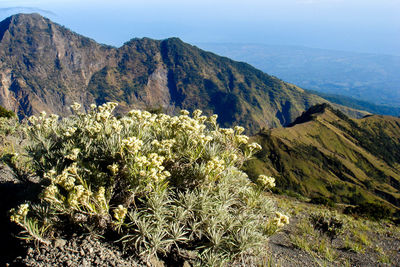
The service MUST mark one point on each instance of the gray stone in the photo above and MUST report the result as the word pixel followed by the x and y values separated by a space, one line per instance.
pixel 59 243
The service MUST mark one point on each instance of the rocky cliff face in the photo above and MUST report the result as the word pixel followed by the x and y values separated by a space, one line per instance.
pixel 44 66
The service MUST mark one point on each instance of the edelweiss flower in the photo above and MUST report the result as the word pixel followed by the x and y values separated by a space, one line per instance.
pixel 75 106
pixel 69 131
pixel 74 154
pixel 254 146
pixel 33 119
pixel 120 213
pixel 113 168
pixel 213 119
pixel 242 139
pixel 196 114
pixel 50 193
pixel 238 129
pixel 184 112
pixel 132 144
pixel 266 181
pixel 281 220
pixel 19 215
pixel 227 131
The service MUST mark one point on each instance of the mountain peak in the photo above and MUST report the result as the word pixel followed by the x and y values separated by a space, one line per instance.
pixel 28 15
pixel 27 18
pixel 23 23
pixel 19 19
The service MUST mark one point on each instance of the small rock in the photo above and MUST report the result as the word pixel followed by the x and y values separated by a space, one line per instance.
pixel 155 262
pixel 30 251
pixel 59 243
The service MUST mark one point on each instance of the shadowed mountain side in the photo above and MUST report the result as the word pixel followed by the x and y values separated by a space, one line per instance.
pixel 325 153
pixel 44 66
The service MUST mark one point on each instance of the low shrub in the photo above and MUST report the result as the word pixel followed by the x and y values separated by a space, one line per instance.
pixel 161 184
pixel 327 224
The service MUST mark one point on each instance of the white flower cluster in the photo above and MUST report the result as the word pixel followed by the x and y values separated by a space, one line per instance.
pixel 151 168
pixel 19 215
pixel 100 199
pixel 75 106
pixel 67 177
pixel 51 194
pixel 280 220
pixel 113 168
pixel 79 196
pixel 254 146
pixel 242 139
pixel 42 122
pixel 170 137
pixel 214 167
pixel 74 154
pixel 93 128
pixel 120 213
pixel 238 129
pixel 164 147
pixel 227 131
pixel 266 181
pixel 132 144
pixel 105 111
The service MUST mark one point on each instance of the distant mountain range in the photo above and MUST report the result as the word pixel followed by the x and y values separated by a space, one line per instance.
pixel 44 66
pixel 324 153
pixel 358 104
pixel 368 77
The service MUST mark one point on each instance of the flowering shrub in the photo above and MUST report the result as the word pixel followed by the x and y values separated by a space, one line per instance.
pixel 162 183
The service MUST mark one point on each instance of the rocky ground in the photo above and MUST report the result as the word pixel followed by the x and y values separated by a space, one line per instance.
pixel 82 251
pixel 358 242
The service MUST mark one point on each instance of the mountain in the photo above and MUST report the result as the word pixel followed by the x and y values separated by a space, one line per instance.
pixel 324 153
pixel 358 104
pixel 44 66
pixel 369 77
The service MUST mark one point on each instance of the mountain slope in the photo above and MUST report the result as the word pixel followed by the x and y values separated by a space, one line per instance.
pixel 44 66
pixel 325 153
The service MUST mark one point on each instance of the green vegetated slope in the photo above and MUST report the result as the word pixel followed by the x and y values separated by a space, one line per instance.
pixel 325 153
pixel 44 66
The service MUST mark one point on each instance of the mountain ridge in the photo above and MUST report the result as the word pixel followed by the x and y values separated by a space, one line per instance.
pixel 47 67
pixel 324 153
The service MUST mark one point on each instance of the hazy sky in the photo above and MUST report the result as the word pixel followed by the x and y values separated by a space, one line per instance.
pixel 354 25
